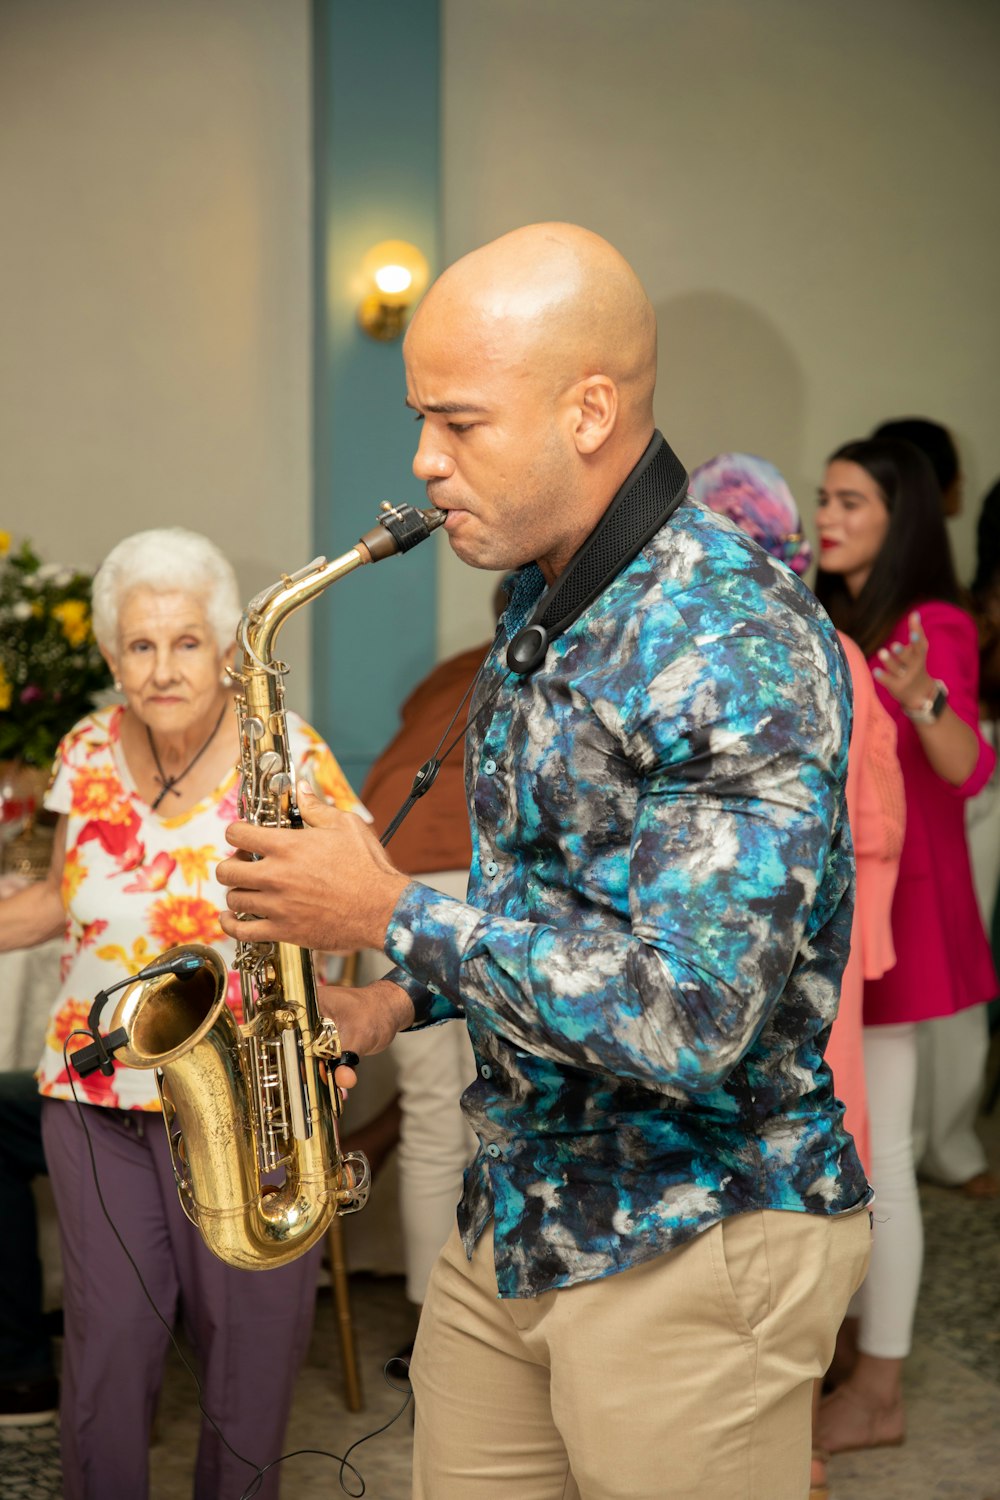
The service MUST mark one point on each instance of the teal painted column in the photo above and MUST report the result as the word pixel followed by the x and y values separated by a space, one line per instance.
pixel 376 73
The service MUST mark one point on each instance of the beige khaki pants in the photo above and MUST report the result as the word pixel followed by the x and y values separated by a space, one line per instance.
pixel 686 1378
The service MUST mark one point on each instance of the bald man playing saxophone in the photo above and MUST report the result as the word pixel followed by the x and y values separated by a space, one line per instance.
pixel 665 1219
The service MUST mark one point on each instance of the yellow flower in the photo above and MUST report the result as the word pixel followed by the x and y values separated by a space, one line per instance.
pixel 97 793
pixel 72 876
pixel 138 959
pixel 4 543
pixel 74 617
pixel 328 779
pixel 195 863
pixel 184 919
pixel 4 689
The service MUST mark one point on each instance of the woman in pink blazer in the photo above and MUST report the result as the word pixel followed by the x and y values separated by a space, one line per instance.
pixel 888 581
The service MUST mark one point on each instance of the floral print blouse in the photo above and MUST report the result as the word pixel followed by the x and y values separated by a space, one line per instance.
pixel 135 883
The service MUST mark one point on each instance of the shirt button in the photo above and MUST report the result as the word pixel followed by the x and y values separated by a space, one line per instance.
pixel 489 766
pixel 491 867
pixel 493 1151
pixel 486 1071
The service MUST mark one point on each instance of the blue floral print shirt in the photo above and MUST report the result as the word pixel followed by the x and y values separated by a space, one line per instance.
pixel 658 915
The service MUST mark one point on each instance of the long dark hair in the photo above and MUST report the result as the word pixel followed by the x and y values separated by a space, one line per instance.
pixel 914 564
pixel 933 440
pixel 988 544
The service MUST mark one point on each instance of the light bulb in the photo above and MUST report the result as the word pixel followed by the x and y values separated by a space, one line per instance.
pixel 395 274
pixel 393 279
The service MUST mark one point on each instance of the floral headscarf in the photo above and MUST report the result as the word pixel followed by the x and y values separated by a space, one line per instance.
pixel 753 494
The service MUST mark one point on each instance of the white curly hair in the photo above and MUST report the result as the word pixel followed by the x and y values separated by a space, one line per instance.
pixel 167 560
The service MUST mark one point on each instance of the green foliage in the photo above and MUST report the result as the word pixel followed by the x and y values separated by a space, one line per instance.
pixel 50 667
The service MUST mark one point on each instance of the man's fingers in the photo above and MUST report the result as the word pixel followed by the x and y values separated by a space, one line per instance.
pixel 344 1077
pixel 256 903
pixel 224 872
pixel 249 930
pixel 238 870
pixel 249 839
pixel 254 839
pixel 315 812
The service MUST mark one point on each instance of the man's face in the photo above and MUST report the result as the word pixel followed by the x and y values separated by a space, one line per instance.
pixel 495 448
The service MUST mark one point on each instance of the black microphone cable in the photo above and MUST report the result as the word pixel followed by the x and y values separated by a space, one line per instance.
pixel 260 1470
pixel 427 774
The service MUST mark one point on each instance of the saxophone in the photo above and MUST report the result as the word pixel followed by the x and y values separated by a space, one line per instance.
pixel 250 1108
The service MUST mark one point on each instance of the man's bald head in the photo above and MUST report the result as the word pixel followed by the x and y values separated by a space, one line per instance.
pixel 530 364
pixel 558 300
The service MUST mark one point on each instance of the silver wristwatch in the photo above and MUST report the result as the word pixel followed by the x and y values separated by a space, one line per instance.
pixel 932 708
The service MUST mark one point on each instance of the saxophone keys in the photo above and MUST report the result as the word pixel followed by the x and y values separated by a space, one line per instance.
pixel 355 1183
pixel 326 1041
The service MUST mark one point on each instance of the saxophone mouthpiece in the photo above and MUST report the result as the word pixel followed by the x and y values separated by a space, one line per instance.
pixel 434 518
pixel 400 527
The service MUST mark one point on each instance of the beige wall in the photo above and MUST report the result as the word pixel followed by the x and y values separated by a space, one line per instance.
pixel 155 278
pixel 807 190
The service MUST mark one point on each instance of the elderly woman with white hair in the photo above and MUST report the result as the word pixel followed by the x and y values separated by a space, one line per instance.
pixel 144 791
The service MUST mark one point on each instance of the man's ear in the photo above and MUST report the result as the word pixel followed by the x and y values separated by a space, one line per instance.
pixel 596 402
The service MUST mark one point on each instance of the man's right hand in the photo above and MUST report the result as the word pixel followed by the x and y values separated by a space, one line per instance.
pixel 367 1019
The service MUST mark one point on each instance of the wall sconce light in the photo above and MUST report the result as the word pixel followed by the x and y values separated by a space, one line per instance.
pixel 395 277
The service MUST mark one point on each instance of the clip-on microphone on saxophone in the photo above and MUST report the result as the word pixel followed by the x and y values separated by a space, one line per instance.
pixel 98 1055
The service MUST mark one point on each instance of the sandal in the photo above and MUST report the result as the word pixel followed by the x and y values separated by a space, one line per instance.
pixel 847 1423
pixel 819 1488
pixel 981 1188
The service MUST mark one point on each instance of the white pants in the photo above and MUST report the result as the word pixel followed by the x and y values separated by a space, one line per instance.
pixel 951 1067
pixel 952 1050
pixel 887 1301
pixel 434 1067
pixel 982 829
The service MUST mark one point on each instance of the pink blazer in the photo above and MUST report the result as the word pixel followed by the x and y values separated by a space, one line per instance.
pixel 943 961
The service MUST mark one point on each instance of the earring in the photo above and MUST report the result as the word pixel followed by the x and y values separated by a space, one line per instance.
pixel 226 677
pixel 118 684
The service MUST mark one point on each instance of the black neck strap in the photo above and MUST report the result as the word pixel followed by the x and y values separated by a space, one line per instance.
pixel 647 499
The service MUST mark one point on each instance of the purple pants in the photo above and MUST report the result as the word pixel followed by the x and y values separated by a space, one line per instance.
pixel 249 1329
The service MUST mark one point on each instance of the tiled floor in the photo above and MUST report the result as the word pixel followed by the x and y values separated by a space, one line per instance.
pixel 953 1390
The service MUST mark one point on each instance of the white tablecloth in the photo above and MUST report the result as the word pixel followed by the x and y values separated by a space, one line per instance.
pixel 29 979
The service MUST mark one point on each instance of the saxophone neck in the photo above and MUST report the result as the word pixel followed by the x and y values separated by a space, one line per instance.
pixel 268 611
pixel 400 528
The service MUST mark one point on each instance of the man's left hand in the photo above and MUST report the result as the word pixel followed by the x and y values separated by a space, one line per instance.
pixel 328 885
